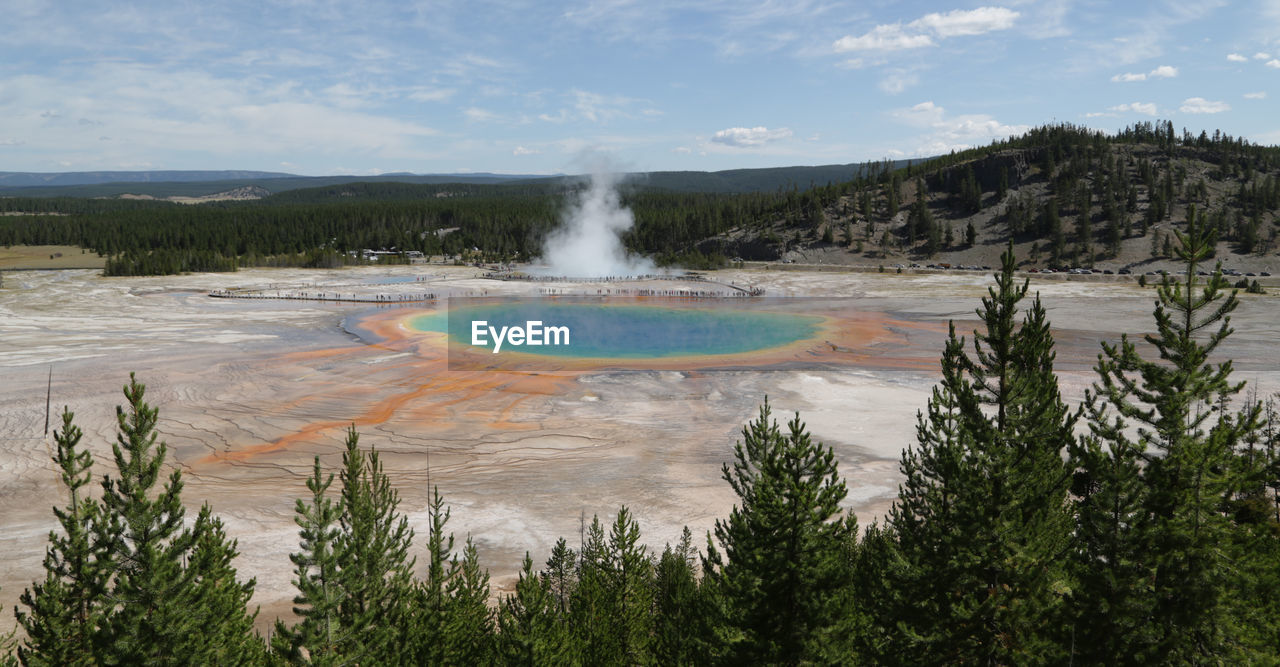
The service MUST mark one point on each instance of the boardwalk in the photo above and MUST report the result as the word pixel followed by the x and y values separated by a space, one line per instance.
pixel 348 297
pixel 733 291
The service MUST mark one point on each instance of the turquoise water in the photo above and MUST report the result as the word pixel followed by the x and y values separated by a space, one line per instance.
pixel 602 331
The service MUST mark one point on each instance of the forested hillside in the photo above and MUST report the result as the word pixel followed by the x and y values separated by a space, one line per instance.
pixel 1064 195
pixel 317 228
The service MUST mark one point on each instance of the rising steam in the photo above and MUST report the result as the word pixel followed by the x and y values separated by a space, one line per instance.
pixel 588 243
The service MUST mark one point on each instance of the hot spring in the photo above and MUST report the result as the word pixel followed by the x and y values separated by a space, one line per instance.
pixel 622 331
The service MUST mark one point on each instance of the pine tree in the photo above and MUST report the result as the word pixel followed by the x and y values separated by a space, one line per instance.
pixel 468 621
pixel 126 583
pixel 160 592
pixel 531 628
pixel 8 649
pixel 145 540
pixel 875 600
pixel 592 621
pixel 1187 437
pixel 219 602
pixel 64 610
pixel 780 575
pixel 319 635
pixel 375 569
pixel 1255 509
pixel 631 577
pixel 430 597
pixel 981 521
pixel 1112 594
pixel 561 575
pixel 679 618
pixel 354 574
pixel 611 609
pixel 920 600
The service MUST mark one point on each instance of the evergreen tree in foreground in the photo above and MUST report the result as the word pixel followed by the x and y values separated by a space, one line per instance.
pixel 430 599
pixel 680 617
pixel 1160 550
pixel 126 583
pixel 147 545
pixel 66 607
pixel 530 628
pixel 612 606
pixel 982 523
pixel 776 585
pixel 354 573
pixel 468 620
pixel 172 595
pixel 319 631
pixel 375 569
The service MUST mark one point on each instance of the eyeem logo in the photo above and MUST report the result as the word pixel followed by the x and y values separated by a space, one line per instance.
pixel 533 333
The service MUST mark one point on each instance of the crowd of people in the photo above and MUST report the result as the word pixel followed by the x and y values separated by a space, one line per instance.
pixel 324 296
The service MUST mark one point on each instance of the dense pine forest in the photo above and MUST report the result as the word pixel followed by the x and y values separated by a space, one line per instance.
pixel 318 229
pixel 1141 527
pixel 1065 195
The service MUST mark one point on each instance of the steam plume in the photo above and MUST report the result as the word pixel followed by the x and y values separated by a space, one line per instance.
pixel 588 244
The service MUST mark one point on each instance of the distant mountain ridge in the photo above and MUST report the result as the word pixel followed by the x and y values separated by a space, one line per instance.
pixel 204 183
pixel 21 179
pixel 165 184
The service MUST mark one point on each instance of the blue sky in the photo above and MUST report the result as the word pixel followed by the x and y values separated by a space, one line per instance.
pixel 515 86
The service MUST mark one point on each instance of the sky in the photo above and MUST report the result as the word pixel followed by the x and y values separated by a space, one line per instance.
pixel 323 87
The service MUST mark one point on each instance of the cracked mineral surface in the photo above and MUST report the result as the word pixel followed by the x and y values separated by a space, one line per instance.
pixel 250 390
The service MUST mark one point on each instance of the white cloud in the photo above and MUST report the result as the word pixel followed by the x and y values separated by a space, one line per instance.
pixel 478 115
pixel 1201 105
pixel 1266 138
pixel 1099 114
pixel 431 94
pixel 1047 19
pixel 750 137
pixel 948 133
pixel 1236 58
pixel 924 113
pixel 599 108
pixel 897 81
pixel 1161 72
pixel 294 123
pixel 1121 39
pixel 1148 108
pixel 971 22
pixel 851 63
pixel 596 107
pixel 883 38
pixel 1274 63
pixel 471 66
pixel 920 33
pixel 682 150
pixel 148 112
pixel 521 150
pixel 1261 95
pixel 1261 55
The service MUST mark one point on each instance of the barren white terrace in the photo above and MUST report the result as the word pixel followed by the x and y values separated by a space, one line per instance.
pixel 250 390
